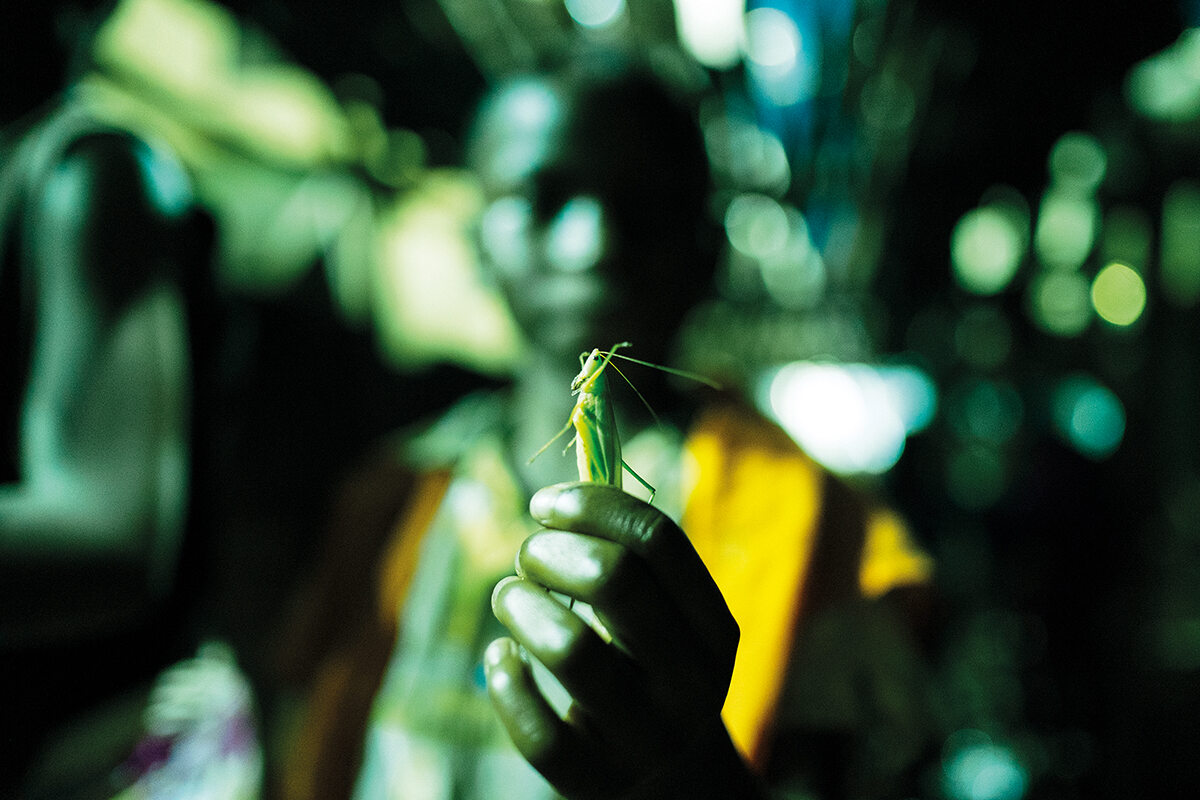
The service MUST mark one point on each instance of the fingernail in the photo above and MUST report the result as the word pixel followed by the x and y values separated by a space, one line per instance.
pixel 541 505
pixel 500 587
pixel 498 651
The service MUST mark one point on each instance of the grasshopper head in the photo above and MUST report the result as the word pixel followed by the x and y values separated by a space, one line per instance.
pixel 590 367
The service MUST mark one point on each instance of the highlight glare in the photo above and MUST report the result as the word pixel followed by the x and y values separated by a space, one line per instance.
pixel 711 30
pixel 853 418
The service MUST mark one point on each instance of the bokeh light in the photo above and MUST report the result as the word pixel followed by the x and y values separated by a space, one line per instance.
pixel 795 276
pixel 756 225
pixel 1066 229
pixel 1119 294
pixel 1060 303
pixel 853 418
pixel 772 39
pixel 530 111
pixel 781 62
pixel 502 233
pixel 433 306
pixel 978 769
pixel 913 394
pixel 747 156
pixel 828 410
pixel 1088 416
pixel 987 410
pixel 1180 245
pixel 986 249
pixel 711 30
pixel 1165 86
pixel 595 13
pixel 1078 162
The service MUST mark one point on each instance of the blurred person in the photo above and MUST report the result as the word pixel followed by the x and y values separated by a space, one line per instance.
pixel 104 259
pixel 765 653
pixel 98 234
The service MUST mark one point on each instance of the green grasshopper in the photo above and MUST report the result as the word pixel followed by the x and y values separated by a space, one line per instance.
pixel 597 442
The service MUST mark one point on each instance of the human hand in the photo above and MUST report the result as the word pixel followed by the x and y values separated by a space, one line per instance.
pixel 644 719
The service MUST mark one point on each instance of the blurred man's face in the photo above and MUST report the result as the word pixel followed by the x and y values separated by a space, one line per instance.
pixel 565 231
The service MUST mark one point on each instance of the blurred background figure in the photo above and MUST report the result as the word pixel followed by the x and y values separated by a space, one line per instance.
pixel 189 223
pixel 104 255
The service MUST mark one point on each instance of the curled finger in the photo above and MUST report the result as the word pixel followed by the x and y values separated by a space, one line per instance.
pixel 609 513
pixel 553 747
pixel 602 682
pixel 630 603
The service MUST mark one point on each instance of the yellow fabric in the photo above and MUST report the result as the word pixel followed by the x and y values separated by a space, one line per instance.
pixel 751 516
pixel 890 558
pixel 754 516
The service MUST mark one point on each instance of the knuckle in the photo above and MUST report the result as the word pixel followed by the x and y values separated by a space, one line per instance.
pixel 540 743
pixel 652 529
pixel 579 655
pixel 619 581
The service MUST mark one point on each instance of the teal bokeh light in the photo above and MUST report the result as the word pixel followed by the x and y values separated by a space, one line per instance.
pixel 1089 416
pixel 980 769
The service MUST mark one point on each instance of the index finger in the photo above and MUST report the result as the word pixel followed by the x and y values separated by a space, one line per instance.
pixel 609 513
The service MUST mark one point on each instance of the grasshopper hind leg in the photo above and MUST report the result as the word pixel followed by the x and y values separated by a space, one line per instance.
pixel 641 480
